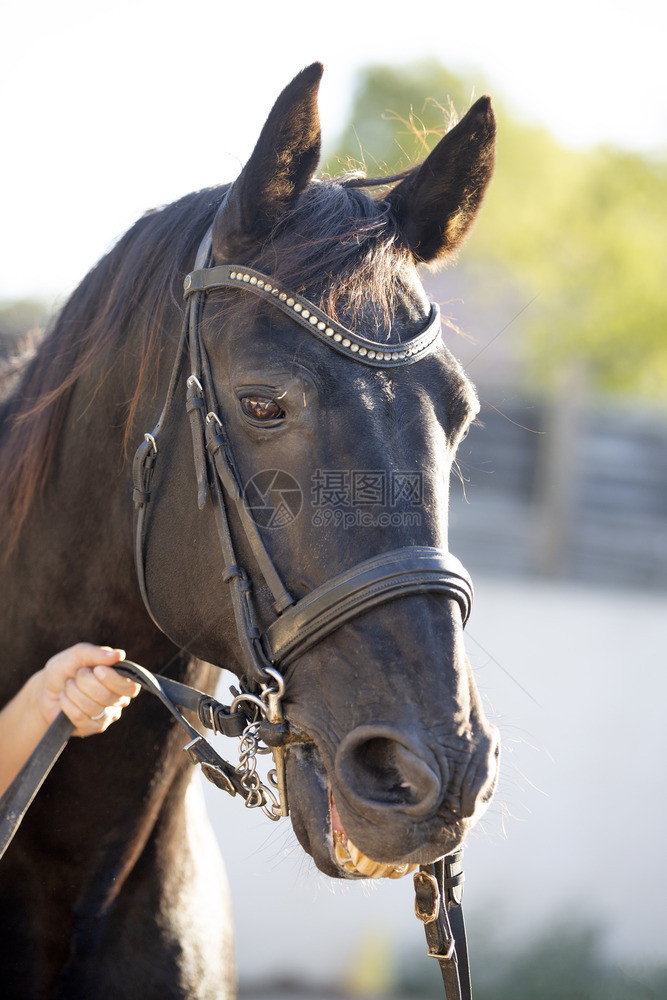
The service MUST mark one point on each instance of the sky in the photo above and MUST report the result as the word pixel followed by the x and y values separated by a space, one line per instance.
pixel 108 112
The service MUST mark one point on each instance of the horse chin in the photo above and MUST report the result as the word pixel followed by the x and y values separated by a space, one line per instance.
pixel 319 829
pixel 308 792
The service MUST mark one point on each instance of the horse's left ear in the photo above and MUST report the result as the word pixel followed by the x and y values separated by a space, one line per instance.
pixel 281 165
pixel 436 205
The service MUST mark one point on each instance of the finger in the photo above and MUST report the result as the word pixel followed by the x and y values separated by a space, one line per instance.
pixel 84 654
pixel 85 726
pixel 77 696
pixel 116 683
pixel 108 692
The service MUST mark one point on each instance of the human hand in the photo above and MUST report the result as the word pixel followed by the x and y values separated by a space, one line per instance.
pixel 81 682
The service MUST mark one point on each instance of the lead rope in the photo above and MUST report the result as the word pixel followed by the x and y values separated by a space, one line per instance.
pixel 249 725
pixel 438 898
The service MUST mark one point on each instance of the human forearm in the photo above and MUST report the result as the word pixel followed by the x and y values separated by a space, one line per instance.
pixel 79 681
pixel 22 726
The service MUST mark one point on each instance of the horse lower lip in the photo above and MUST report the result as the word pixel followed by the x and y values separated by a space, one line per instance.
pixel 353 861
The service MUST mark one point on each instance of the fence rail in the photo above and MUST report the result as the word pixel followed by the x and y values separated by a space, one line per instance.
pixel 583 499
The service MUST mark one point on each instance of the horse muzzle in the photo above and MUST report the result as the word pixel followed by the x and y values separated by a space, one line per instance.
pixel 389 800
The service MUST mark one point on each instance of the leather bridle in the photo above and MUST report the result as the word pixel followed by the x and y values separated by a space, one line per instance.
pixel 298 624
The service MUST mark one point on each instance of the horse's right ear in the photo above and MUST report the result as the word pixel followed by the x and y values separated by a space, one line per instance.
pixel 281 165
pixel 435 206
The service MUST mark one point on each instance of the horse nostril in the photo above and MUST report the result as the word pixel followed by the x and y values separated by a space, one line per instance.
pixel 379 768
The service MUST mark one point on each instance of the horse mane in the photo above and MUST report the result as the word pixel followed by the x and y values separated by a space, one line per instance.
pixel 131 288
pixel 336 237
pixel 338 246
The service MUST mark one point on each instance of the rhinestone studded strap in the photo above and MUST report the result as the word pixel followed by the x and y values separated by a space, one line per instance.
pixel 321 326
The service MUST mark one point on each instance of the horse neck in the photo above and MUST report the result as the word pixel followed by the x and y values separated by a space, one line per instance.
pixel 71 576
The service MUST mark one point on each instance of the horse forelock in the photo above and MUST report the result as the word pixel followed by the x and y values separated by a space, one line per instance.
pixel 340 247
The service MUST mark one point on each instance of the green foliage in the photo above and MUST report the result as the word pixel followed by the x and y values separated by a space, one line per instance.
pixel 580 232
pixel 388 131
pixel 16 320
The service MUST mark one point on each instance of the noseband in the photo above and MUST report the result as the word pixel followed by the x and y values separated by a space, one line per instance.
pixel 298 624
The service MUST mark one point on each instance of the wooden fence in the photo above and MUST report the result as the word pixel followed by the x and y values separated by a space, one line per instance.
pixel 564 491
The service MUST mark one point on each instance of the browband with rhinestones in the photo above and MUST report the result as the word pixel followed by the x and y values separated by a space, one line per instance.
pixel 351 344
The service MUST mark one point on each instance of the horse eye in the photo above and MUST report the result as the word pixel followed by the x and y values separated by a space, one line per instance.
pixel 261 408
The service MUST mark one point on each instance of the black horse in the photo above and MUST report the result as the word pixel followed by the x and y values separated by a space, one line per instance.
pixel 113 886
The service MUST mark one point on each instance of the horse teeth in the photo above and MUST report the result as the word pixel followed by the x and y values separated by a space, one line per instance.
pixel 355 862
pixel 398 871
pixel 367 867
pixel 341 852
pixel 401 870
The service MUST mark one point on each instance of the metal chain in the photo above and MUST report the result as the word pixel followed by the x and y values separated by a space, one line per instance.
pixel 260 795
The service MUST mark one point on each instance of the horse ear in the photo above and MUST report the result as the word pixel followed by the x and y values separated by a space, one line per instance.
pixel 436 205
pixel 281 165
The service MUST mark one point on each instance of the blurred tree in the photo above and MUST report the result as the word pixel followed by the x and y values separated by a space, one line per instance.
pixel 387 132
pixel 16 320
pixel 582 232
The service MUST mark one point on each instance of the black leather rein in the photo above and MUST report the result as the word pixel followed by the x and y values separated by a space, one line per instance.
pixel 174 696
pixel 438 886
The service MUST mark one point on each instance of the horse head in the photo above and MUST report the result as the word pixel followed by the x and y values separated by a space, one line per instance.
pixel 340 454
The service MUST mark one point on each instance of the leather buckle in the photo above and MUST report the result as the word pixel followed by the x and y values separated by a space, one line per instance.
pixel 427 897
pixel 440 956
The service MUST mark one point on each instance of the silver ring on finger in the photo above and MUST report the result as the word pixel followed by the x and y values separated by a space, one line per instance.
pixel 96 718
